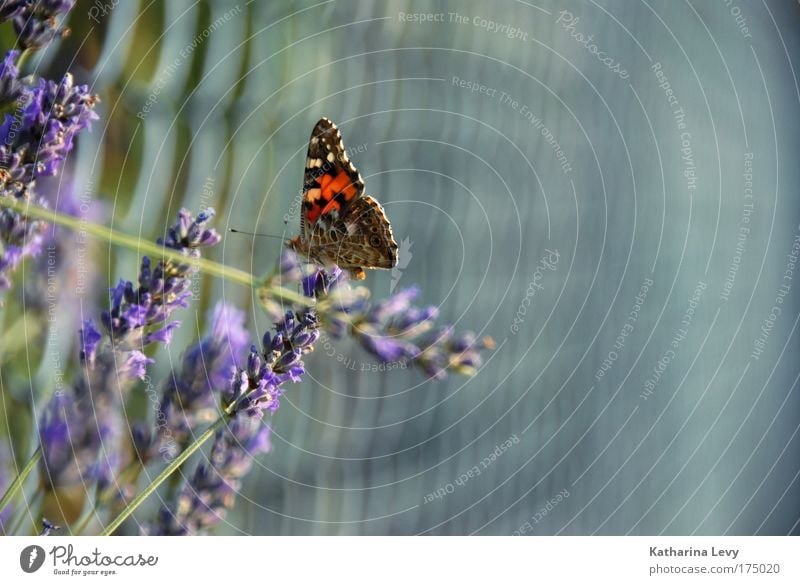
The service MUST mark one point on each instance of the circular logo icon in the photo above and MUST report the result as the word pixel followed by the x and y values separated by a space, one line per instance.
pixel 31 558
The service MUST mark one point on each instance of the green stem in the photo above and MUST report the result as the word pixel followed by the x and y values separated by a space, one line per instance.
pixel 20 479
pixel 26 513
pixel 144 246
pixel 82 522
pixel 23 58
pixel 170 469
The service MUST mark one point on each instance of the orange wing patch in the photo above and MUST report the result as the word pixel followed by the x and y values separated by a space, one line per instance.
pixel 333 187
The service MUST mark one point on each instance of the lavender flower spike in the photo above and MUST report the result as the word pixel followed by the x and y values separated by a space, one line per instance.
pixel 211 492
pixel 11 8
pixel 34 141
pixel 139 315
pixel 254 390
pixel 10 85
pixel 393 329
pixel 37 23
pixel 69 444
pixel 189 396
pixel 82 432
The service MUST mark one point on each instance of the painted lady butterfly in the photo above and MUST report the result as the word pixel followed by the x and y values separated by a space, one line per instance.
pixel 339 224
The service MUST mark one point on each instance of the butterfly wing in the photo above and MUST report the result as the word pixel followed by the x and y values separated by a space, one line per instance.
pixel 339 224
pixel 330 184
pixel 362 238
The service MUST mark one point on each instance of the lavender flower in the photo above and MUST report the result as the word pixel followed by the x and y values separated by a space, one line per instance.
pixel 189 396
pixel 11 8
pixel 253 391
pixel 34 142
pixel 258 386
pixel 69 443
pixel 20 237
pixel 37 23
pixel 138 315
pixel 48 527
pixel 10 85
pixel 82 430
pixel 210 493
pixel 393 329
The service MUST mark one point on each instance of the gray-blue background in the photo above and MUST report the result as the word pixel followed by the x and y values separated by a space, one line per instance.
pixel 477 192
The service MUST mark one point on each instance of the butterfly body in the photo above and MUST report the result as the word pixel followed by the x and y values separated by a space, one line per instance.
pixel 339 224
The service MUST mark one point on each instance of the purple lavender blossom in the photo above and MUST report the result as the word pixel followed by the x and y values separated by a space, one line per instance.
pixel 10 85
pixel 82 430
pixel 393 329
pixel 34 142
pixel 48 527
pixel 139 315
pixel 258 386
pixel 69 443
pixel 37 138
pixel 190 395
pixel 37 23
pixel 211 492
pixel 20 237
pixel 253 391
pixel 11 8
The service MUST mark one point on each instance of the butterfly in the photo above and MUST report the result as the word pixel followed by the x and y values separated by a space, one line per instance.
pixel 339 224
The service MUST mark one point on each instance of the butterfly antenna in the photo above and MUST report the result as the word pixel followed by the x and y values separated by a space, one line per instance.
pixel 235 231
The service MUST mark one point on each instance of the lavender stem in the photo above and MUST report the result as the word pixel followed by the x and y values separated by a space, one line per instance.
pixel 168 471
pixel 20 479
